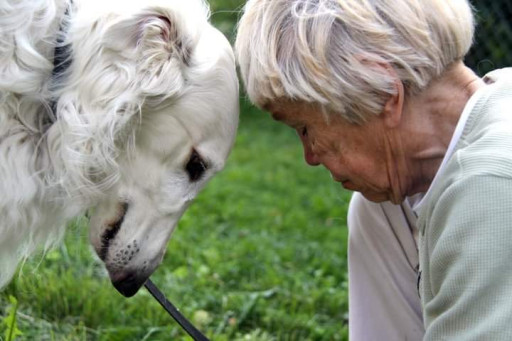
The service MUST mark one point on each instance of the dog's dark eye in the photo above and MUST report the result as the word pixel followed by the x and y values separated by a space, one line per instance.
pixel 195 166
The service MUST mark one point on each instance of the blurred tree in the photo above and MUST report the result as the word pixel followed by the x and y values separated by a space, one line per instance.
pixel 492 48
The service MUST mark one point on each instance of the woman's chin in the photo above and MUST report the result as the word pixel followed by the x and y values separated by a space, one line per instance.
pixel 377 197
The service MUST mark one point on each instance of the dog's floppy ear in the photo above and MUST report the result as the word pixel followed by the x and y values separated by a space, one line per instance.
pixel 121 63
pixel 160 44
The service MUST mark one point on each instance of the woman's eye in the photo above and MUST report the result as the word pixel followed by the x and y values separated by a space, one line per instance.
pixel 304 132
pixel 195 166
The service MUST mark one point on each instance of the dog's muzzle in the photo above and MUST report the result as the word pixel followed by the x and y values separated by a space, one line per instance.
pixel 128 283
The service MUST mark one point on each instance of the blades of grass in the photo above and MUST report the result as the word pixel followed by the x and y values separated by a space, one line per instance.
pixel 10 321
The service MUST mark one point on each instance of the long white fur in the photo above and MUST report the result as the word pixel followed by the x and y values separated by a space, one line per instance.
pixel 143 73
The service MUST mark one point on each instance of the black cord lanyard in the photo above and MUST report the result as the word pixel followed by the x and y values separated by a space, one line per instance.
pixel 176 315
pixel 61 60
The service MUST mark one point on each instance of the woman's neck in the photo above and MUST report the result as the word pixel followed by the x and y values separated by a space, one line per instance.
pixel 430 119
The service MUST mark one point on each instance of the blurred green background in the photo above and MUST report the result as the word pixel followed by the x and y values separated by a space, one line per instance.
pixel 492 47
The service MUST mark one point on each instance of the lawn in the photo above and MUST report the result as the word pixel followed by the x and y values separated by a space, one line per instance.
pixel 260 255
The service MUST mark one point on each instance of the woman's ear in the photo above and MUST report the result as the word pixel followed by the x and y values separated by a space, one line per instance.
pixel 393 108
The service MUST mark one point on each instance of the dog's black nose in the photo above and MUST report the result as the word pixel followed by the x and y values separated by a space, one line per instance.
pixel 128 284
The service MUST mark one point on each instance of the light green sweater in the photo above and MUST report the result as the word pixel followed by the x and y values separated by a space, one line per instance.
pixel 465 225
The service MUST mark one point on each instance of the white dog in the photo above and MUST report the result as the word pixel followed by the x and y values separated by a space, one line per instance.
pixel 138 112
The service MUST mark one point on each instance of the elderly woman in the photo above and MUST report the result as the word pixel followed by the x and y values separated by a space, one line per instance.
pixel 379 95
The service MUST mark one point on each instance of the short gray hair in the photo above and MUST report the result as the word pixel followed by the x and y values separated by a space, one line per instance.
pixel 331 52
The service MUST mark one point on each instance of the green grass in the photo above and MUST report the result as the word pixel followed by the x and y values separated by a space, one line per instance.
pixel 260 255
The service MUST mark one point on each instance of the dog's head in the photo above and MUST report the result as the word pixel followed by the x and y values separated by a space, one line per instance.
pixel 167 80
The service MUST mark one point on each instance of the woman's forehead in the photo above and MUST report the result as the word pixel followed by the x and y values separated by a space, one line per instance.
pixel 286 105
pixel 284 109
pixel 293 112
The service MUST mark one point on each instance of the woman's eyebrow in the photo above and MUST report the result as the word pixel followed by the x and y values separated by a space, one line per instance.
pixel 277 116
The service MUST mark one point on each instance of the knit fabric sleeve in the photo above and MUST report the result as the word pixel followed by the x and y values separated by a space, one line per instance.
pixel 470 261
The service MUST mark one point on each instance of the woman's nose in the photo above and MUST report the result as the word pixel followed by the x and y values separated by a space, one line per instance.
pixel 309 156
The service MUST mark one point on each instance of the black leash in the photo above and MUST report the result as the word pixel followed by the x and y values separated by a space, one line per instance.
pixel 61 61
pixel 174 312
